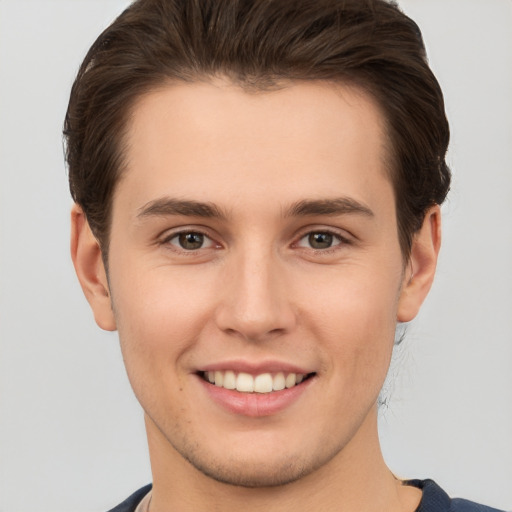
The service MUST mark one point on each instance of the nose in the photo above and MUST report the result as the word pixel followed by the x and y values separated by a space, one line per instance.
pixel 255 301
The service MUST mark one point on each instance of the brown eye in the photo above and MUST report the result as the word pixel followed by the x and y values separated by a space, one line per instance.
pixel 320 240
pixel 190 241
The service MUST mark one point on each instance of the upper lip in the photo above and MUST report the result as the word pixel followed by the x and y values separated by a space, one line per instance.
pixel 255 367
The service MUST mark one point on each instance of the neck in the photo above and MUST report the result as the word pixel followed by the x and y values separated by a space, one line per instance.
pixel 356 479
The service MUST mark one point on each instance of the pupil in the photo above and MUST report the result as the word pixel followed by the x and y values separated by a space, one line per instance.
pixel 191 241
pixel 320 240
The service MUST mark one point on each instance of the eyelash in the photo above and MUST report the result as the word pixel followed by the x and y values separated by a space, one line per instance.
pixel 341 241
pixel 167 240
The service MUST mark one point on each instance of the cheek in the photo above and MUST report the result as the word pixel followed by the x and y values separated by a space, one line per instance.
pixel 158 318
pixel 359 301
pixel 158 323
pixel 355 316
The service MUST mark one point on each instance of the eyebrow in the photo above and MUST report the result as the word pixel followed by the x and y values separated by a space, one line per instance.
pixel 307 207
pixel 170 206
pixel 336 206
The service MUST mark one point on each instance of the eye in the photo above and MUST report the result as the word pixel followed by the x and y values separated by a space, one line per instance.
pixel 191 241
pixel 319 240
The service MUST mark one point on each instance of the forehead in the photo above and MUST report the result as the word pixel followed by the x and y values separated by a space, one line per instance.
pixel 189 139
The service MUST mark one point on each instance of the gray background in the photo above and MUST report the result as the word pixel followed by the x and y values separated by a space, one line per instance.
pixel 71 434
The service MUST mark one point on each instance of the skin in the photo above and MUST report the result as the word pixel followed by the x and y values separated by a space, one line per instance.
pixel 256 290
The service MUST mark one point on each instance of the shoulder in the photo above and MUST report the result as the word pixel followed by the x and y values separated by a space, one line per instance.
pixel 460 505
pixel 130 503
pixel 436 500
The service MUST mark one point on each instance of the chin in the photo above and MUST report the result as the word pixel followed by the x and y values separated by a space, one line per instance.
pixel 263 466
pixel 251 474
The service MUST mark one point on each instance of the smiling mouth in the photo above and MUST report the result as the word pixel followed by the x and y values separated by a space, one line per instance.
pixel 261 383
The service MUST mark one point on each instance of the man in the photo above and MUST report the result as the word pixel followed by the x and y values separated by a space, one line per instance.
pixel 257 190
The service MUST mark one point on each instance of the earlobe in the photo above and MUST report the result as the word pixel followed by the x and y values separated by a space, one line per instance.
pixel 90 270
pixel 421 269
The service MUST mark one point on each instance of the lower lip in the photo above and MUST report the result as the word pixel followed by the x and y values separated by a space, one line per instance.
pixel 255 404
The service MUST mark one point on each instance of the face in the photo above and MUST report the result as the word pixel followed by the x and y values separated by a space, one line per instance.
pixel 255 275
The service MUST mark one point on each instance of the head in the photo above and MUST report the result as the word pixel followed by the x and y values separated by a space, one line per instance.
pixel 259 46
pixel 259 181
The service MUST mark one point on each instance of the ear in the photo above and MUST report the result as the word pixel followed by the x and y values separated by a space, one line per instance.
pixel 421 269
pixel 86 256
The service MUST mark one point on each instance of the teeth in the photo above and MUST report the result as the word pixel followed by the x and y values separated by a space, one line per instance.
pixel 247 383
pixel 263 383
pixel 291 380
pixel 279 382
pixel 229 380
pixel 219 379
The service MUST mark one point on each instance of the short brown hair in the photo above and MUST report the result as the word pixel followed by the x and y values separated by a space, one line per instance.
pixel 257 44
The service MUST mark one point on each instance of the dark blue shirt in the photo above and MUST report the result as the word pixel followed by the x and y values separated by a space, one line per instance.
pixel 434 499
